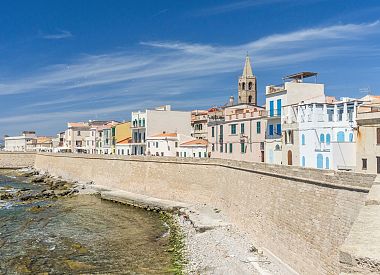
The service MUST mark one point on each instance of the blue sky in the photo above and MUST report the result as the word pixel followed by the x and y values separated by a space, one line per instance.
pixel 77 60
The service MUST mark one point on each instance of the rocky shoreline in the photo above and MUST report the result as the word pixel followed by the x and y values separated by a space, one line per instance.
pixel 204 241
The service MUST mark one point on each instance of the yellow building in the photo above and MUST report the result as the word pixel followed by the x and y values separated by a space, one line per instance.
pixel 120 132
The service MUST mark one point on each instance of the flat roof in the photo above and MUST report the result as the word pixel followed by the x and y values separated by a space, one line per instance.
pixel 300 75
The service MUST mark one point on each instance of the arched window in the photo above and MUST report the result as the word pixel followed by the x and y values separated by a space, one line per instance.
pixel 303 139
pixel 250 86
pixel 277 147
pixel 322 138
pixel 328 139
pixel 303 161
pixel 200 126
pixel 250 99
pixel 320 161
pixel 351 137
pixel 340 137
pixel 327 163
pixel 243 86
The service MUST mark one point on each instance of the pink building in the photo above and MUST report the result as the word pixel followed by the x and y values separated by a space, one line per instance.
pixel 240 135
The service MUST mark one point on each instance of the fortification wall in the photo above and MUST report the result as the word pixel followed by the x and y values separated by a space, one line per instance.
pixel 301 215
pixel 16 159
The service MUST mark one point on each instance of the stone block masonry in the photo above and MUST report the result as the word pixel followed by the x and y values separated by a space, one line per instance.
pixel 16 159
pixel 302 216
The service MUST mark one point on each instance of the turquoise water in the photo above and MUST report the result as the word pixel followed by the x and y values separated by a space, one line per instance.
pixel 79 235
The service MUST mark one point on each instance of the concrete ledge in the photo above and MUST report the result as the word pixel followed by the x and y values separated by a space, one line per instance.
pixel 141 200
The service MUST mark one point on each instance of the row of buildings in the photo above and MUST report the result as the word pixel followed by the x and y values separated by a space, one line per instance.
pixel 298 125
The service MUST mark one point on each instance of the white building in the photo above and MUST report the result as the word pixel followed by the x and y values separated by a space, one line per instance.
pixel 321 135
pixel 20 143
pixel 124 147
pixel 196 148
pixel 160 120
pixel 292 91
pixel 165 144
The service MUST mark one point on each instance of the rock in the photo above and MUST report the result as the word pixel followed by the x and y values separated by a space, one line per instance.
pixel 6 196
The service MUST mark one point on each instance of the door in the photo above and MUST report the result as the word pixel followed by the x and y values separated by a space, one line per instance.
pixel 290 158
pixel 378 164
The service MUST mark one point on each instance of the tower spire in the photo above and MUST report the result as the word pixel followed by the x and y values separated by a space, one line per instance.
pixel 247 71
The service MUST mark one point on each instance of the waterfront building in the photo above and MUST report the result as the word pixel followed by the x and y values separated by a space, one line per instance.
pixel 165 144
pixel 75 137
pixel 196 148
pixel 122 132
pixel 368 136
pixel 159 120
pixel 124 147
pixel 320 135
pixel 44 144
pixel 239 135
pixel 199 120
pixel 293 91
pixel 20 143
pixel 109 138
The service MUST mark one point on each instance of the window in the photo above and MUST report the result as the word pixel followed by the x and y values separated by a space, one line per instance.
pixel 177 154
pixel 320 161
pixel 184 154
pixel 327 163
pixel 162 154
pixel 212 131
pixel 213 147
pixel 322 138
pixel 271 108
pixel 340 137
pixel 225 148
pixel 122 151
pixel 205 154
pixel 242 128
pixel 221 130
pixel 279 107
pixel 303 161
pixel 243 86
pixel 303 139
pixel 221 147
pixel 364 164
pixel 351 137
pixel 242 147
pixel 271 130
pixel 156 144
pixel 249 85
pixel 148 144
pixel 78 133
pixel 258 127
pixel 233 129
pixel 176 144
pixel 328 139
pixel 278 129
pixel 378 135
pixel 230 147
pixel 200 154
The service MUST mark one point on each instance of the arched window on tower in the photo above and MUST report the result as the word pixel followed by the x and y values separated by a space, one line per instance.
pixel 243 86
pixel 250 86
pixel 250 99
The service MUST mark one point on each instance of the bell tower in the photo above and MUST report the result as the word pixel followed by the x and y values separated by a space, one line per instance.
pixel 247 90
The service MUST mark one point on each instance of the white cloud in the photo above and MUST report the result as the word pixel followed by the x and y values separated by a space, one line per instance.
pixel 63 34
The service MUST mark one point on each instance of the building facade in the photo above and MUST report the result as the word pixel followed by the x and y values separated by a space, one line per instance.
pixel 153 122
pixel 199 124
pixel 21 143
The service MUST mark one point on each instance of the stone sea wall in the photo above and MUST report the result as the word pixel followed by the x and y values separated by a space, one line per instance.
pixel 16 160
pixel 302 216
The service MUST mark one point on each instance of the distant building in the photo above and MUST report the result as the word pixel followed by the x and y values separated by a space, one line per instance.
pixel 199 124
pixel 247 86
pixel 165 144
pixel 20 143
pixel 196 148
pixel 240 135
pixel 75 137
pixel 124 147
pixel 44 144
pixel 160 120
pixel 368 136
pixel 122 132
pixel 293 91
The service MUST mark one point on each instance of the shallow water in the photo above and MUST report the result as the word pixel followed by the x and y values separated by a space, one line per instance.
pixel 79 235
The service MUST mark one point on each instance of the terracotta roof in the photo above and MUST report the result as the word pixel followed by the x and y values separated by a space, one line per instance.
pixel 194 142
pixel 77 124
pixel 166 135
pixel 44 140
pixel 125 141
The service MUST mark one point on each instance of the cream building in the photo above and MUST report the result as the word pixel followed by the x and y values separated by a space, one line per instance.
pixel 199 124
pixel 368 138
pixel 196 148
pixel 159 120
pixel 76 135
pixel 124 147
pixel 165 144
pixel 293 91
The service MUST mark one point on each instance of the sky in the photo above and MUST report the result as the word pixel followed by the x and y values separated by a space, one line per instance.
pixel 77 60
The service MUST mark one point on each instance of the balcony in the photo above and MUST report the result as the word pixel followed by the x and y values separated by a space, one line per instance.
pixel 274 113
